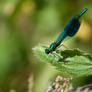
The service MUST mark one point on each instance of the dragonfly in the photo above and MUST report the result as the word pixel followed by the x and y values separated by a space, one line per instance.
pixel 69 31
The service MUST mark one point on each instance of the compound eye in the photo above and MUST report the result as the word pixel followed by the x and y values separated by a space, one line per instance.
pixel 47 51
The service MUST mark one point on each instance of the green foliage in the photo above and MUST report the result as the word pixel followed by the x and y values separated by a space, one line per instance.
pixel 13 57
pixel 74 62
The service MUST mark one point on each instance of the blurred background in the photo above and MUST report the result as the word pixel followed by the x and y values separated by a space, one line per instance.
pixel 25 24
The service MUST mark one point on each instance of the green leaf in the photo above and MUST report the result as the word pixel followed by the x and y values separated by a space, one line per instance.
pixel 74 62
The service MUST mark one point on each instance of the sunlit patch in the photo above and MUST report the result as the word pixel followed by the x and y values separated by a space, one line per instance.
pixel 84 32
pixel 8 9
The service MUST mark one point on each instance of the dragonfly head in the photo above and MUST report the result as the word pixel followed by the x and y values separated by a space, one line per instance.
pixel 51 48
pixel 47 51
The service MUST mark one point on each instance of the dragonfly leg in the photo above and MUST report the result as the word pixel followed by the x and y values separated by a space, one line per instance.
pixel 58 48
pixel 57 57
pixel 63 46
